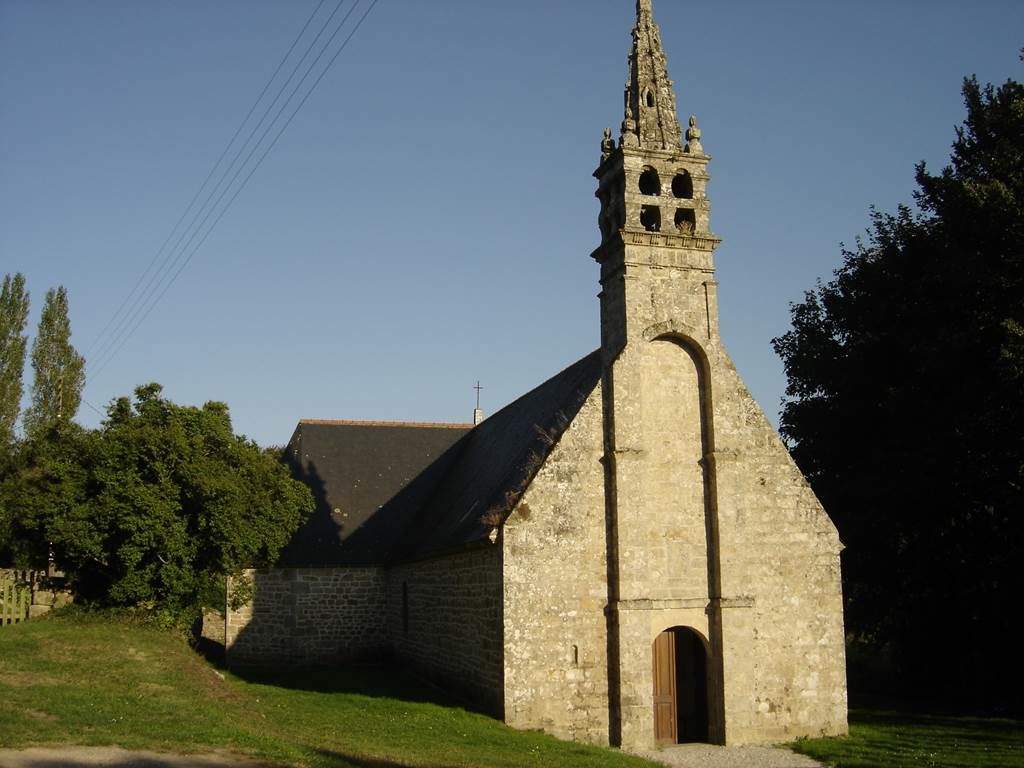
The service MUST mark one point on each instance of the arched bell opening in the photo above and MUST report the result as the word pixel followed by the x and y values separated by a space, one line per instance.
pixel 649 182
pixel 650 218
pixel 685 221
pixel 682 185
pixel 680 658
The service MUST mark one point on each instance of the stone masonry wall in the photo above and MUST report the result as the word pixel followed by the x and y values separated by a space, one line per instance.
pixel 772 615
pixel 784 663
pixel 444 619
pixel 701 479
pixel 556 663
pixel 309 616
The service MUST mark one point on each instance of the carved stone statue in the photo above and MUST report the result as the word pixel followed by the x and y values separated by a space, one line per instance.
pixel 607 144
pixel 693 144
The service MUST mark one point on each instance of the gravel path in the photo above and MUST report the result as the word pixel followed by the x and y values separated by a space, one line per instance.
pixel 113 757
pixel 682 756
pixel 710 756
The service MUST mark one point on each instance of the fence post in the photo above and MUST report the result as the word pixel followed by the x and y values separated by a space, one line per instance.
pixel 6 599
pixel 15 600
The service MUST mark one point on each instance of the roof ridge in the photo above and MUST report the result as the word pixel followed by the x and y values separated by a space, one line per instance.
pixel 411 543
pixel 357 423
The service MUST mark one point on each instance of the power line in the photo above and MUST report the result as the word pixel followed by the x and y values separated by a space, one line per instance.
pixel 160 284
pixel 143 311
pixel 139 307
pixel 166 264
pixel 206 181
pixel 93 407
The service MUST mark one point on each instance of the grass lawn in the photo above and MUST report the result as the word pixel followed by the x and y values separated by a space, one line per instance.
pixel 896 739
pixel 92 681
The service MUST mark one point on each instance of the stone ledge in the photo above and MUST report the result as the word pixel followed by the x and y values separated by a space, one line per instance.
pixel 647 604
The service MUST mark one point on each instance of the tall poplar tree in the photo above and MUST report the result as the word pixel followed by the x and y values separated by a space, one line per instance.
pixel 59 370
pixel 13 317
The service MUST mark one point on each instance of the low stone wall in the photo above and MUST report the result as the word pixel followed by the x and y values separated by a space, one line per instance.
pixel 46 591
pixel 444 622
pixel 308 616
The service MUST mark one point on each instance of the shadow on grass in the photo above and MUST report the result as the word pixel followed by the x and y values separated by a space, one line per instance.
pixel 885 738
pixel 369 678
pixel 90 758
pixel 209 649
pixel 373 680
pixel 893 718
pixel 341 760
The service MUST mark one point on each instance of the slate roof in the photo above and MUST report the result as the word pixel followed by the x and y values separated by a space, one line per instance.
pixel 353 468
pixel 413 490
pixel 496 462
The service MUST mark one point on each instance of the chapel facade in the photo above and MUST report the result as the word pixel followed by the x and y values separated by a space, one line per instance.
pixel 625 555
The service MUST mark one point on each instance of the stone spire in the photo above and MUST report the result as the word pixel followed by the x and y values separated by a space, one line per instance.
pixel 650 109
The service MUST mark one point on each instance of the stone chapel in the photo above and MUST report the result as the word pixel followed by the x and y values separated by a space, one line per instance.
pixel 624 555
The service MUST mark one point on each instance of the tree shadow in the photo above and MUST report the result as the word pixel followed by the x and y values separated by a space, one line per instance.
pixel 373 680
pixel 90 757
pixel 342 760
pixel 981 727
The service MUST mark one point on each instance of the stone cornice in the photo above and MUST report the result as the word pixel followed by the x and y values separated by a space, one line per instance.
pixel 704 243
pixel 676 603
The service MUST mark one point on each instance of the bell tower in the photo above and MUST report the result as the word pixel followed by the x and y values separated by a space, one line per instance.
pixel 655 214
pixel 661 351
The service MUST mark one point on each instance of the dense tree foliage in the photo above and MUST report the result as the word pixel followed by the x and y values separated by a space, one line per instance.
pixel 154 508
pixel 905 409
pixel 13 317
pixel 59 371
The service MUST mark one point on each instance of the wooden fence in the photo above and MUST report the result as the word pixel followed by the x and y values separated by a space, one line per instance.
pixel 15 597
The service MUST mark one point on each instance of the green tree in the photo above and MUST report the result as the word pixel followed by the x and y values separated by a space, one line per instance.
pixel 47 484
pixel 904 409
pixel 59 370
pixel 173 502
pixel 13 317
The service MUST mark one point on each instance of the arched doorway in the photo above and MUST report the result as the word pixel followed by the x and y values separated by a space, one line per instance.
pixel 680 687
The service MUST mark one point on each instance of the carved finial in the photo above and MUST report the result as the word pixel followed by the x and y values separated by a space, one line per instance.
pixel 607 144
pixel 643 6
pixel 693 144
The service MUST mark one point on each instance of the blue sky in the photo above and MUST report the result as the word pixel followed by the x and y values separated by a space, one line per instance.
pixel 426 219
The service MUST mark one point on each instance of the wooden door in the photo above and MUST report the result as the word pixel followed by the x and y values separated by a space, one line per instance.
pixel 665 719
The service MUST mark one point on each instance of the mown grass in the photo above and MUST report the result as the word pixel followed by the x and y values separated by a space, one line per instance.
pixel 880 739
pixel 92 681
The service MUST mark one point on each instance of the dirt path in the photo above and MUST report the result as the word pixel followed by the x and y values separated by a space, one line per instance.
pixel 682 756
pixel 114 757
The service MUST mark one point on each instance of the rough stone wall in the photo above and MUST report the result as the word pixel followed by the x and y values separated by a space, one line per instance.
pixel 309 616
pixel 444 621
pixel 555 574
pixel 695 459
pixel 784 655
pixel 213 626
pixel 712 525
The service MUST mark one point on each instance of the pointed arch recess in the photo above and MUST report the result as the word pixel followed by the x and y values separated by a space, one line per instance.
pixel 679 334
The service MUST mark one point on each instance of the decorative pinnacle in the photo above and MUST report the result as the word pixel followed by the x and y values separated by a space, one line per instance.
pixel 607 144
pixel 650 109
pixel 693 144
